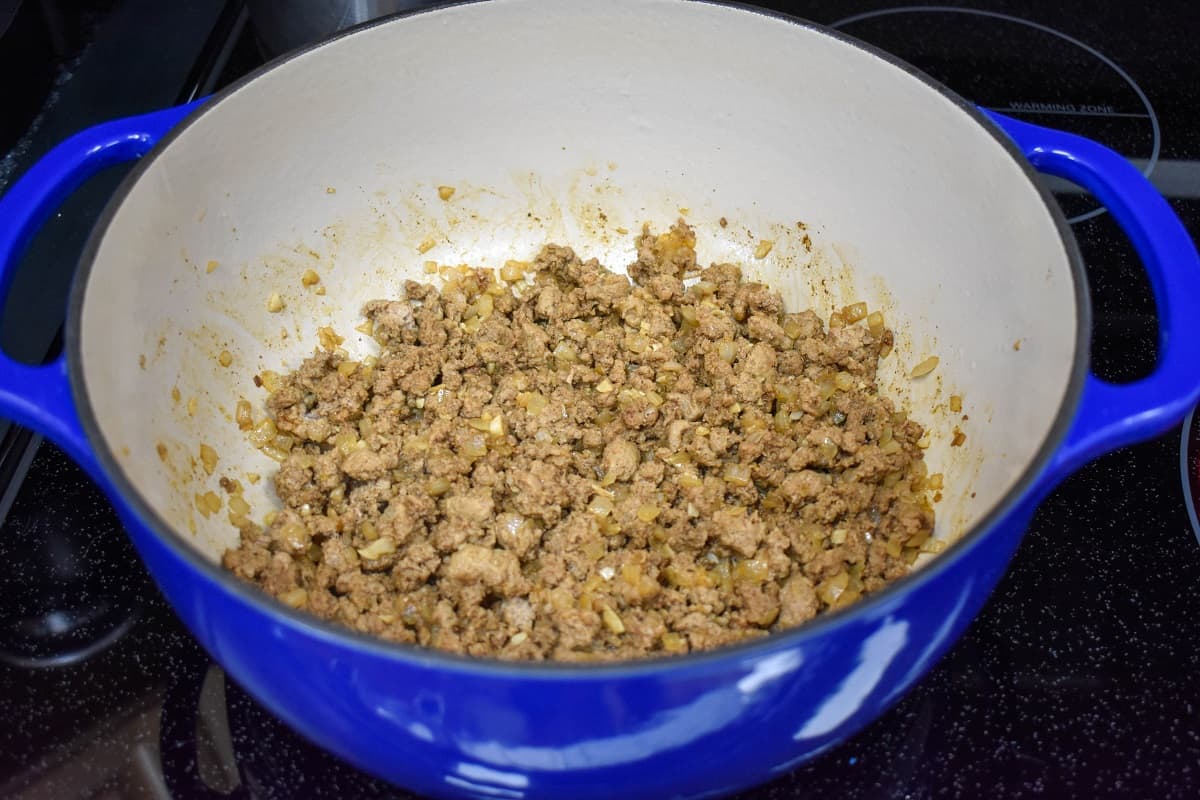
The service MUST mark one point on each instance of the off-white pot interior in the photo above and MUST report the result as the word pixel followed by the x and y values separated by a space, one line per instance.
pixel 572 123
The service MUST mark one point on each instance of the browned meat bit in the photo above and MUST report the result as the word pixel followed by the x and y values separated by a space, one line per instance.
pixel 391 318
pixel 366 465
pixel 621 458
pixel 671 253
pixel 588 468
pixel 798 601
pixel 496 570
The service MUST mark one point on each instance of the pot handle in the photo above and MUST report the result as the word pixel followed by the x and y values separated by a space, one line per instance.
pixel 39 396
pixel 1111 415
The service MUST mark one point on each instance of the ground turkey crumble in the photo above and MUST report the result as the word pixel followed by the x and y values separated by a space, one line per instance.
pixel 566 465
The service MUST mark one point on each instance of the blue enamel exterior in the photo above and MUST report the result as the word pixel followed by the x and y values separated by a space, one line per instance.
pixel 693 727
pixel 1112 416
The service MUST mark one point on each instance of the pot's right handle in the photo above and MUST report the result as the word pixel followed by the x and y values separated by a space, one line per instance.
pixel 39 397
pixel 1110 415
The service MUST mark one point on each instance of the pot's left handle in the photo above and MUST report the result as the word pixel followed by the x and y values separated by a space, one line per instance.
pixel 39 397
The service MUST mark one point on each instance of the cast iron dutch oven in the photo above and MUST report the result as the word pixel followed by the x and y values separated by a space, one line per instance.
pixel 566 122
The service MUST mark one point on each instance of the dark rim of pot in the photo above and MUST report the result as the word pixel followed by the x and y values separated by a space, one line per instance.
pixel 418 655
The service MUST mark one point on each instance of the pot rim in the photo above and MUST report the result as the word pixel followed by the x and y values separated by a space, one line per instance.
pixel 426 657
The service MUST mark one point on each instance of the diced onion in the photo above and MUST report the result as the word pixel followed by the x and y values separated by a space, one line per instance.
pixel 875 323
pixel 737 475
pixel 925 367
pixel 679 459
pixel 565 353
pixel 611 620
pixel 379 548
pixel 648 513
pixel 674 643
pixel 295 598
pixel 751 570
pixel 637 344
pixel 242 414
pixel 854 312
pixel 532 402
pixel 513 270
pixel 474 447
pixel 208 458
pixel 830 589
pixel 600 506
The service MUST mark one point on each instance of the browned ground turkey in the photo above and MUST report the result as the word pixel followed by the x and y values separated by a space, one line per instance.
pixel 574 467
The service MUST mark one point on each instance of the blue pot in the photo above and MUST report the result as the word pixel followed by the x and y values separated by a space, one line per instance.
pixel 696 726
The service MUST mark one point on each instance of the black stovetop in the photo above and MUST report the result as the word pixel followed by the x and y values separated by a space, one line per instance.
pixel 1080 677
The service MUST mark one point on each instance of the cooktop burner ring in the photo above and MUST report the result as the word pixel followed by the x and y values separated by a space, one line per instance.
pixel 69 654
pixel 1069 109
pixel 1187 438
